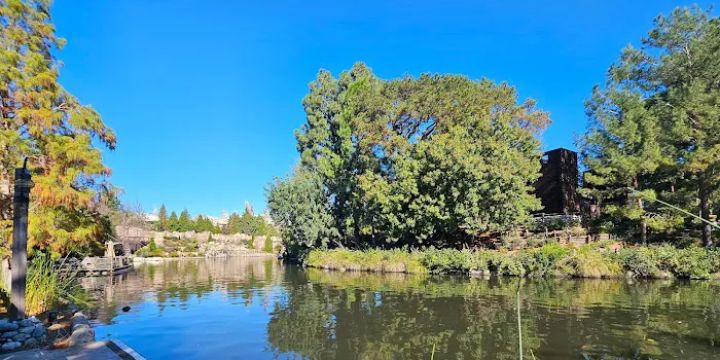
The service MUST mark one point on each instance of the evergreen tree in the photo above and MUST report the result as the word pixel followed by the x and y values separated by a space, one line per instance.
pixel 173 222
pixel 434 160
pixel 267 246
pixel 185 222
pixel 668 132
pixel 234 225
pixel 41 120
pixel 622 149
pixel 162 224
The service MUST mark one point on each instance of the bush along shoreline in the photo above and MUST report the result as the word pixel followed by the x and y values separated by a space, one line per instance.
pixel 596 260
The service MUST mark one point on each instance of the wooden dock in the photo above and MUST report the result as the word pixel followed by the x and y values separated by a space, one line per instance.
pixel 104 266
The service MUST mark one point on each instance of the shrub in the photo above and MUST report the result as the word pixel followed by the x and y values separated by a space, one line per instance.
pixel 150 250
pixel 595 260
pixel 694 263
pixel 370 260
pixel 541 261
pixel 447 260
pixel 642 262
pixel 586 262
pixel 47 288
pixel 506 263
pixel 268 246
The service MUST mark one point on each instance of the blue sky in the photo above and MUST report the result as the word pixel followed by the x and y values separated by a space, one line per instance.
pixel 205 94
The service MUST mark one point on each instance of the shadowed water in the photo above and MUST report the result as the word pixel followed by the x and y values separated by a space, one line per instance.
pixel 251 308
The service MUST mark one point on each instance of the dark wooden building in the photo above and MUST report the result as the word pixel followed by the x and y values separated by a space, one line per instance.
pixel 558 183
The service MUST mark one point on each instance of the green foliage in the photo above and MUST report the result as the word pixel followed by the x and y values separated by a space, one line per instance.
pixel 433 160
pixel 247 224
pixel 447 260
pixel 298 205
pixel 368 260
pixel 203 224
pixel 587 261
pixel 41 120
pixel 48 289
pixel 162 224
pixel 543 260
pixel 251 242
pixel 173 222
pixel 268 245
pixel 654 131
pixel 150 250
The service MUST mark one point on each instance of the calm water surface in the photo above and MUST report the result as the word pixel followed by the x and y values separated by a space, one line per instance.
pixel 252 308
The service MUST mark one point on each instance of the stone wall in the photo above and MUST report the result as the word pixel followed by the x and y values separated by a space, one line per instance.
pixel 22 334
pixel 132 238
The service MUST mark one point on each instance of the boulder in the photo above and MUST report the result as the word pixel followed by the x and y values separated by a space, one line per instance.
pixel 82 334
pixel 27 329
pixel 9 334
pixel 31 343
pixel 10 346
pixel 8 326
pixel 25 322
pixel 39 331
pixel 21 337
pixel 79 319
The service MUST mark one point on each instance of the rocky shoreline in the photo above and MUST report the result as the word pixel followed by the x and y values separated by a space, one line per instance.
pixel 22 334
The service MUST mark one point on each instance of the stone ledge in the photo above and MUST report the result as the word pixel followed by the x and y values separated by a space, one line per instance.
pixel 22 334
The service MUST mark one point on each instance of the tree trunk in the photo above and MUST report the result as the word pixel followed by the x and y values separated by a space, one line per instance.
pixel 705 214
pixel 643 222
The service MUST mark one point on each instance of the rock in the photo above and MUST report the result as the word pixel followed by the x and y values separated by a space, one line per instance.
pixel 27 329
pixel 9 334
pixel 126 309
pixel 82 334
pixel 25 322
pixel 21 337
pixel 79 319
pixel 31 343
pixel 477 273
pixel 13 345
pixel 35 320
pixel 39 331
pixel 8 326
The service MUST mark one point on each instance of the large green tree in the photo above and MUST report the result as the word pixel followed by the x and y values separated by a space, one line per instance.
pixel 622 150
pixel 437 159
pixel 41 120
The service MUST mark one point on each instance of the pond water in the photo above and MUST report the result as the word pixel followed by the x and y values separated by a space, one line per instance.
pixel 258 308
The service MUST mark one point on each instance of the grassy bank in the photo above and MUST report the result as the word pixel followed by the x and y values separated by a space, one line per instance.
pixel 598 260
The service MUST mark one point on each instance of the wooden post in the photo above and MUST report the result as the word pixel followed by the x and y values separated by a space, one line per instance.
pixel 18 262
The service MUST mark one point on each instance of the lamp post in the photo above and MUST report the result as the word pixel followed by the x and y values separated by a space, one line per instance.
pixel 18 263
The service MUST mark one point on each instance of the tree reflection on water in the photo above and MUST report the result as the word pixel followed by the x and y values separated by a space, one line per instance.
pixel 330 315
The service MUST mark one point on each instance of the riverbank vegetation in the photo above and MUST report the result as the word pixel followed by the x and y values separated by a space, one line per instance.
pixel 597 260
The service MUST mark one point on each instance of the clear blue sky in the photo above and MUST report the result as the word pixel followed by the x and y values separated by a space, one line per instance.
pixel 205 94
